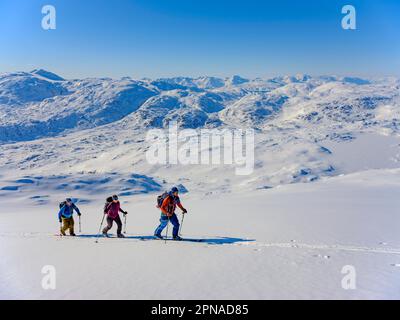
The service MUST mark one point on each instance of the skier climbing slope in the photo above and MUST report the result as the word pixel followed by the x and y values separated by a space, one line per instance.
pixel 168 214
pixel 65 216
pixel 112 209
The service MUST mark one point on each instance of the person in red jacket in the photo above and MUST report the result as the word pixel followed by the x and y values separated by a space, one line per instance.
pixel 168 214
pixel 112 209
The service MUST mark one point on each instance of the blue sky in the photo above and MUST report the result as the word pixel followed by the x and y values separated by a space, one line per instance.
pixel 157 38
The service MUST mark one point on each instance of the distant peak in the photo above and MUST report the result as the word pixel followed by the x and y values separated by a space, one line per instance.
pixel 300 77
pixel 303 77
pixel 356 80
pixel 47 74
pixel 236 80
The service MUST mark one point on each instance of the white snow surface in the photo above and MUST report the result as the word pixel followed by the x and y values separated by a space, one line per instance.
pixel 324 193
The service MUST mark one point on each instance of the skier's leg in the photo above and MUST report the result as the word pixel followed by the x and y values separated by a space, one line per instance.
pixel 71 226
pixel 174 220
pixel 65 226
pixel 163 224
pixel 119 224
pixel 109 225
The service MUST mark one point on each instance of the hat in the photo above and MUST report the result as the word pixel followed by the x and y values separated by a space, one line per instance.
pixel 174 189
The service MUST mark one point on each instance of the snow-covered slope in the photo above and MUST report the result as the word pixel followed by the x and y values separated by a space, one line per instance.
pixel 290 242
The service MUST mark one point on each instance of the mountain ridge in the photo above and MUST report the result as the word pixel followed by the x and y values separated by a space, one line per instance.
pixel 302 126
pixel 42 104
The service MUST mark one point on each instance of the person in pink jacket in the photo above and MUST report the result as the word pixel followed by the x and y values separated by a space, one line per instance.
pixel 112 210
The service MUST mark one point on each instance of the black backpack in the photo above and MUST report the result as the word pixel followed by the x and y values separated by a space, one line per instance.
pixel 109 199
pixel 62 204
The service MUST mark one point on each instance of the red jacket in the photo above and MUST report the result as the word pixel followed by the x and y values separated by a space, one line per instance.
pixel 169 205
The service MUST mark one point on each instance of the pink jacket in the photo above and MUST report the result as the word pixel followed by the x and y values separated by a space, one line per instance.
pixel 112 209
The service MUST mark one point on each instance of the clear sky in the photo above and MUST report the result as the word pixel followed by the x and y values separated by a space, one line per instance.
pixel 157 38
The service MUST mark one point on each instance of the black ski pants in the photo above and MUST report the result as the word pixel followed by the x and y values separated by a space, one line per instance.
pixel 110 222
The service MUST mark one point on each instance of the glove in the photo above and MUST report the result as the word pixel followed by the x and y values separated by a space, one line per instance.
pixel 60 220
pixel 125 213
pixel 184 211
pixel 79 214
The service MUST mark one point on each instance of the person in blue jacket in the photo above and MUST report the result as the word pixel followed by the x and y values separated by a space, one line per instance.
pixel 65 216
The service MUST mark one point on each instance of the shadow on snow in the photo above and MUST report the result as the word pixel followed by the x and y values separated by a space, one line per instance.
pixel 213 241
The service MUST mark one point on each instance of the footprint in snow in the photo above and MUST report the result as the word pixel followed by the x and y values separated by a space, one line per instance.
pixel 321 256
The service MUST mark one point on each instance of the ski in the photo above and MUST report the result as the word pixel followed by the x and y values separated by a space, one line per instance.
pixel 129 238
pixel 182 240
pixel 66 236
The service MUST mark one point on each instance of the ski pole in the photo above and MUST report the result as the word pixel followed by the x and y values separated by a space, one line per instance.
pixel 101 225
pixel 166 236
pixel 80 226
pixel 125 223
pixel 183 219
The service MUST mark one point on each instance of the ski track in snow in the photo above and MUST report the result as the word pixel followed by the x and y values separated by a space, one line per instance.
pixel 238 243
pixel 324 247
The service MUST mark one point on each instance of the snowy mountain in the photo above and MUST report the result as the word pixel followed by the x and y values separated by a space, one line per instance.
pixel 99 125
pixel 41 104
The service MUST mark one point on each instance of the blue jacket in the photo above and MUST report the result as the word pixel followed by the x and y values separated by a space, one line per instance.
pixel 67 211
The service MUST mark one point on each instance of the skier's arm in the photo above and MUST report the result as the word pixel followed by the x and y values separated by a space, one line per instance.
pixel 181 207
pixel 60 213
pixel 124 212
pixel 76 209
pixel 179 204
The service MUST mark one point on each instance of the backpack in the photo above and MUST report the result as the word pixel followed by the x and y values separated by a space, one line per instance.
pixel 161 198
pixel 108 203
pixel 62 204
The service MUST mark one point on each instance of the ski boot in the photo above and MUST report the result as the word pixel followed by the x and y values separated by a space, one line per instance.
pixel 177 238
pixel 121 236
pixel 159 236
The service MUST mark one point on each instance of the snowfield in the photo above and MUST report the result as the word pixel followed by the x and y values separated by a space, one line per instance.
pixel 285 243
pixel 324 193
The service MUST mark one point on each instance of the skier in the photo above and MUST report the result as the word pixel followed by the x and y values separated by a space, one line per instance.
pixel 65 216
pixel 168 207
pixel 112 209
